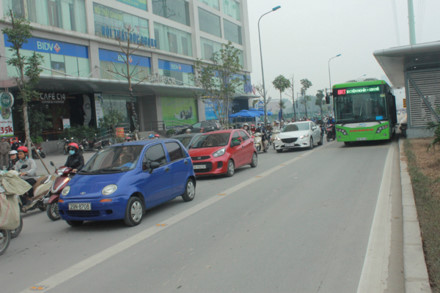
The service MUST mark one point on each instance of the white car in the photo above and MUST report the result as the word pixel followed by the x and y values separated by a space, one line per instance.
pixel 304 134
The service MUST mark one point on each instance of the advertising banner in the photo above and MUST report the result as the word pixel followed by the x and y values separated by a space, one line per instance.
pixel 179 111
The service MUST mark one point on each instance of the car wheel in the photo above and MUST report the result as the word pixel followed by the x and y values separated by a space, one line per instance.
pixel 311 143
pixel 190 190
pixel 231 169
pixel 75 223
pixel 279 151
pixel 134 211
pixel 254 161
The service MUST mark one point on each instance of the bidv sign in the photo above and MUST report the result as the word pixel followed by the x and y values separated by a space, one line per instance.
pixel 52 98
pixel 48 46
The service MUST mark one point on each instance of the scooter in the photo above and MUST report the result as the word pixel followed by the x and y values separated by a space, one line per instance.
pixel 41 188
pixel 64 174
pixel 39 150
pixel 260 145
pixel 331 133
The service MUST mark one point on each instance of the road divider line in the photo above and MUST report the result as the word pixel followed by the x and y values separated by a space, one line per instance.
pixel 375 269
pixel 94 260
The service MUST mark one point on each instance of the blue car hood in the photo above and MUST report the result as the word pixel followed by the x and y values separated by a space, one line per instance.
pixel 92 184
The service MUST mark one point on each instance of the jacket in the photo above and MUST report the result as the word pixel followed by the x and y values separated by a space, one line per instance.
pixel 75 161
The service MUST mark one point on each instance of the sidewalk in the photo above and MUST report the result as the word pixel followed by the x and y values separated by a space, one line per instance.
pixel 415 271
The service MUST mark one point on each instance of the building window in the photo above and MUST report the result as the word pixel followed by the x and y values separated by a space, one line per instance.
pixel 232 8
pixel 232 32
pixel 209 48
pixel 177 10
pixel 65 14
pixel 141 4
pixel 212 3
pixel 115 24
pixel 209 23
pixel 167 40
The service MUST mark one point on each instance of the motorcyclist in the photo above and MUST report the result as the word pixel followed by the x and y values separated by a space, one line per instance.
pixel 27 168
pixel 261 129
pixel 246 127
pixel 75 160
pixel 12 159
pixel 253 129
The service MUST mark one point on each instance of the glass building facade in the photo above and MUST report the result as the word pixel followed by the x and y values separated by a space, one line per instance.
pixel 82 43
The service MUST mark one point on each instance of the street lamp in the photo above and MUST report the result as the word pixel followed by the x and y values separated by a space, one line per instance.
pixel 329 75
pixel 261 58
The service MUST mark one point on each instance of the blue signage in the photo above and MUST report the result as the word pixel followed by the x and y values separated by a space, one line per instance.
pixel 173 66
pixel 112 56
pixel 52 47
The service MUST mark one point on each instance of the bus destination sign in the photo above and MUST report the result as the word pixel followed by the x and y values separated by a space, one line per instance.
pixel 358 90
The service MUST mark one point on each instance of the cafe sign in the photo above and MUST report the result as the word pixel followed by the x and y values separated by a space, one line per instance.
pixel 53 98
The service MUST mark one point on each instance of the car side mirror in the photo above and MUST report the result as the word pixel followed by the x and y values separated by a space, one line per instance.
pixel 235 142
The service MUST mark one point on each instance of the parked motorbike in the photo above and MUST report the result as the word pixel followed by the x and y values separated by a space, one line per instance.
pixel 331 132
pixel 260 145
pixel 64 174
pixel 39 150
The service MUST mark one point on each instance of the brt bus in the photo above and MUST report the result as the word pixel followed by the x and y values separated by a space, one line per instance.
pixel 364 110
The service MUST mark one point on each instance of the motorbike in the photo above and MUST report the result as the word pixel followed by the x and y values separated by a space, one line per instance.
pixel 64 174
pixel 260 145
pixel 331 133
pixel 39 150
pixel 5 238
pixel 41 188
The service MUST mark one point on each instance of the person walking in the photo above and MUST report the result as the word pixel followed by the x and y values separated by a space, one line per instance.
pixel 4 151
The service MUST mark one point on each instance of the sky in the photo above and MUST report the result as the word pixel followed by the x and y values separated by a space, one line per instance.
pixel 299 38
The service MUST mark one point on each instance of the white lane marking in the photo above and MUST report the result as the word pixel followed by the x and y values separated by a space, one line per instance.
pixel 375 269
pixel 82 266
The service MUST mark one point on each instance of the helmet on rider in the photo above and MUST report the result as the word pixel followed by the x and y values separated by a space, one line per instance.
pixel 13 152
pixel 73 146
pixel 156 135
pixel 151 136
pixel 22 149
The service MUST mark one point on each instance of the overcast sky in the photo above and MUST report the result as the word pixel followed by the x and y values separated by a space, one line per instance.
pixel 300 37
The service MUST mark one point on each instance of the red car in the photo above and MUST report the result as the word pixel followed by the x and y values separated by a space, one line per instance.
pixel 222 151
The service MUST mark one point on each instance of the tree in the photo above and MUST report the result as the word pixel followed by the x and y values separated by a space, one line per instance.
pixel 320 100
pixel 131 71
pixel 281 83
pixel 219 80
pixel 305 85
pixel 28 68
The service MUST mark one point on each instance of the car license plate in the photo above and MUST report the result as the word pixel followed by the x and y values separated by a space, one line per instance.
pixel 361 138
pixel 80 206
pixel 199 166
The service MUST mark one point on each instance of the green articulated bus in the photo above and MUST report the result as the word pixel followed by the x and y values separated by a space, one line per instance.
pixel 364 111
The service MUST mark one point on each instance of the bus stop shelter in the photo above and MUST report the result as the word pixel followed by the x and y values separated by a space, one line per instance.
pixel 417 69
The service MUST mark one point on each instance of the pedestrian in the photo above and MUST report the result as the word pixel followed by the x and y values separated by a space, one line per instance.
pixel 4 151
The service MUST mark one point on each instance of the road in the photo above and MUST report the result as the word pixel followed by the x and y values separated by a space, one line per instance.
pixel 299 222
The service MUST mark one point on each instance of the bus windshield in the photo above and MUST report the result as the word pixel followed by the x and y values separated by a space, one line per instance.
pixel 360 107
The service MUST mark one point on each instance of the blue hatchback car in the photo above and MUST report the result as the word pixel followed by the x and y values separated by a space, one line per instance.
pixel 123 180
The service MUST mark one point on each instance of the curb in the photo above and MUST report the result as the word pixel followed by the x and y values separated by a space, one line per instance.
pixel 414 265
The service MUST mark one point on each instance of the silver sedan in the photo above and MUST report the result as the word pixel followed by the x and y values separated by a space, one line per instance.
pixel 304 134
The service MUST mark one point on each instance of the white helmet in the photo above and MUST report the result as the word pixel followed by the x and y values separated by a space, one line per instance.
pixel 13 152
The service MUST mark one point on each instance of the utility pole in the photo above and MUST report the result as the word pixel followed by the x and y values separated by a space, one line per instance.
pixel 293 97
pixel 412 29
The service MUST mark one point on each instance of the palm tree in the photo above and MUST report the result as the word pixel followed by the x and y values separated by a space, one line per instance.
pixel 281 83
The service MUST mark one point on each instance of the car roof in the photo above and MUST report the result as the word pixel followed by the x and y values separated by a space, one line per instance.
pixel 187 134
pixel 220 131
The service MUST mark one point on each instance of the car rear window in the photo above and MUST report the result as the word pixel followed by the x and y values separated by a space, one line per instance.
pixel 211 140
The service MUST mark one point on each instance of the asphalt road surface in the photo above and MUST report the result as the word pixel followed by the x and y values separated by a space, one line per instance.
pixel 299 222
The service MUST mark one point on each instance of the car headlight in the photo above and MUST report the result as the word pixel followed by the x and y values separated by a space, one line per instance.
pixel 303 136
pixel 219 153
pixel 109 189
pixel 65 191
pixel 383 127
pixel 277 138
